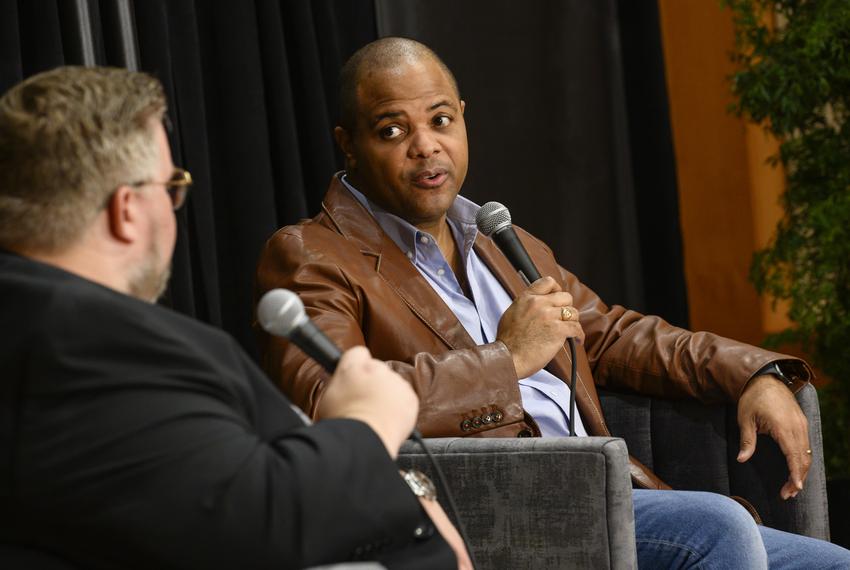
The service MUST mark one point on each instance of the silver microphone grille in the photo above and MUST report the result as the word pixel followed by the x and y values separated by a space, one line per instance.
pixel 280 312
pixel 492 217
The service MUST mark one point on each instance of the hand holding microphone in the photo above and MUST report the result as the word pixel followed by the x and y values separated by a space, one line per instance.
pixel 361 388
pixel 366 389
pixel 533 327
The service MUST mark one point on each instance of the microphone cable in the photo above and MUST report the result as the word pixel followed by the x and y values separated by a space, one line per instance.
pixel 573 375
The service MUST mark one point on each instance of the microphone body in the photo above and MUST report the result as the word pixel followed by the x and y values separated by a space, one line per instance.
pixel 508 241
pixel 281 313
pixel 309 338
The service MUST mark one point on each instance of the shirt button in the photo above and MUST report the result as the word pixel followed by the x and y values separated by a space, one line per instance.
pixel 424 240
pixel 441 272
pixel 409 255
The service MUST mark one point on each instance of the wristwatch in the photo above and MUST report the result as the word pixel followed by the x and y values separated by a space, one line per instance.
pixel 420 484
pixel 786 370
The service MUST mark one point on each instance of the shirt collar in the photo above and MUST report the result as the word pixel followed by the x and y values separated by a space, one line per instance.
pixel 461 216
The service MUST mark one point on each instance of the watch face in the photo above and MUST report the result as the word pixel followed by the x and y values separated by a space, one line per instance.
pixel 420 484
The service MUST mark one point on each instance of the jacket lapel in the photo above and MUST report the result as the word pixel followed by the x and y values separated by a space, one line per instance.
pixel 356 223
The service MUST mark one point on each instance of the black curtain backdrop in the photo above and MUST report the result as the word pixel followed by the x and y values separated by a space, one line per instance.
pixel 252 89
pixel 567 120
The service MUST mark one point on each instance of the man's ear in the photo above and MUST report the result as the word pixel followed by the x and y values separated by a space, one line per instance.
pixel 343 139
pixel 123 215
pixel 462 106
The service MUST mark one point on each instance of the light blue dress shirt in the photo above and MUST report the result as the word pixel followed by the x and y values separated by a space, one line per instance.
pixel 544 396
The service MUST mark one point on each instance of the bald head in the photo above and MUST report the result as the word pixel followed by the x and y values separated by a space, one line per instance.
pixel 381 56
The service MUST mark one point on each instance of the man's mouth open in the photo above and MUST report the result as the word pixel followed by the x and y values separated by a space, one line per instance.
pixel 430 178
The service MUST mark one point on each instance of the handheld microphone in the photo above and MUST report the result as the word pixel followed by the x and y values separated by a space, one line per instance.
pixel 281 313
pixel 494 220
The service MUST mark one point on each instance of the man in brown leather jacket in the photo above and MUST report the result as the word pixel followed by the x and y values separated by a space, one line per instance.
pixel 394 262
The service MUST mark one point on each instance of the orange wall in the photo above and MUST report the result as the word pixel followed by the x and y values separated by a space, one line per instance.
pixel 728 195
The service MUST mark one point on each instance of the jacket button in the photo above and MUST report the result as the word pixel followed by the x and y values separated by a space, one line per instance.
pixel 497 416
pixel 476 421
pixel 466 425
pixel 525 433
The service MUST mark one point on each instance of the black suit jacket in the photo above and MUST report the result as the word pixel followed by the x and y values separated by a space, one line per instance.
pixel 134 437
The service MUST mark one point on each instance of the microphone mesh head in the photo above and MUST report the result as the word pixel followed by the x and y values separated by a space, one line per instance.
pixel 492 217
pixel 280 312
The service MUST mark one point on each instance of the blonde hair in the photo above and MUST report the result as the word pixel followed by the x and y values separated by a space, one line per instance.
pixel 68 138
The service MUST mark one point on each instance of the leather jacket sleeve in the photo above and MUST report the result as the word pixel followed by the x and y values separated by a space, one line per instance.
pixel 643 353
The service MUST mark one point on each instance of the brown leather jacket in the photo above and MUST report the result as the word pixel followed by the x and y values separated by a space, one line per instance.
pixel 361 289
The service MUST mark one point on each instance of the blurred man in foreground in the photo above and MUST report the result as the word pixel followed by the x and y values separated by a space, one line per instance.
pixel 395 262
pixel 132 436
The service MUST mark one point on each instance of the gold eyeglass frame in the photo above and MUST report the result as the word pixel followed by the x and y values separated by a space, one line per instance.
pixel 177 187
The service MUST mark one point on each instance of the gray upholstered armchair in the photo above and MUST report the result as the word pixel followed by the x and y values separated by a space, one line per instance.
pixel 566 503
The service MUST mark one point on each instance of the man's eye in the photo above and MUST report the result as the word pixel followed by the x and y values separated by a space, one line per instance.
pixel 442 121
pixel 390 132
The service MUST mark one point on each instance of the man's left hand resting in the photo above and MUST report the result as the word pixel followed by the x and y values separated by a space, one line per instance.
pixel 768 406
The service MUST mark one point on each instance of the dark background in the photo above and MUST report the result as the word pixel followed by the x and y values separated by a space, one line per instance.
pixel 566 113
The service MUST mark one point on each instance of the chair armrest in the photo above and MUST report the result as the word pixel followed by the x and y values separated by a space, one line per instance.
pixel 538 503
pixel 694 446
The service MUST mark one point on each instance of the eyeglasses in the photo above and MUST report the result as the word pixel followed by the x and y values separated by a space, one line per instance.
pixel 177 187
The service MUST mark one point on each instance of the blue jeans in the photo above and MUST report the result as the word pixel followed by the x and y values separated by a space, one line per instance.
pixel 690 529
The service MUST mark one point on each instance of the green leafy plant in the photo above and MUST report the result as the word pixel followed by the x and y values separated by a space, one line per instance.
pixel 793 77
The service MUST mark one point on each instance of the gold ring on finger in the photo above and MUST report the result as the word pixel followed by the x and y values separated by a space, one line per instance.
pixel 808 452
pixel 566 314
